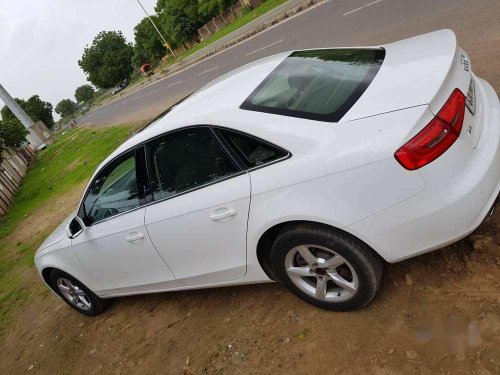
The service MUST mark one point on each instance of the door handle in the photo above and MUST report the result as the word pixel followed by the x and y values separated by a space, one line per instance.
pixel 132 237
pixel 228 212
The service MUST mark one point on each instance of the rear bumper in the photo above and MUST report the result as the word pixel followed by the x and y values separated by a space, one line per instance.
pixel 460 191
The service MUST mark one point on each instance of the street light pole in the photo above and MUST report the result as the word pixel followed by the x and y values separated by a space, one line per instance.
pixel 23 117
pixel 165 43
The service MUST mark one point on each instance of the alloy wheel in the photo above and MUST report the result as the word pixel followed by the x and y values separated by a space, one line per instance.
pixel 321 273
pixel 73 294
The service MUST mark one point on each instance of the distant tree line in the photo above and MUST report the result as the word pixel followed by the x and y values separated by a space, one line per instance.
pixel 110 58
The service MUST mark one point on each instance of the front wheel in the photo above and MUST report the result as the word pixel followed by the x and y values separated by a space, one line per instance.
pixel 327 268
pixel 77 295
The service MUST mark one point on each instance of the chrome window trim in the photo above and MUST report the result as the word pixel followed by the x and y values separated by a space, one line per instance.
pixel 112 217
pixel 241 173
pixel 230 151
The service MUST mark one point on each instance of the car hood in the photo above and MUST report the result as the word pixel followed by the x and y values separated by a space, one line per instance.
pixel 58 234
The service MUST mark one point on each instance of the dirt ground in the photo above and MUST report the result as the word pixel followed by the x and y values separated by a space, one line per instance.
pixel 435 314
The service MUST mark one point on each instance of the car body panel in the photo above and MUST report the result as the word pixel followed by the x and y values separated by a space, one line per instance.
pixel 115 262
pixel 461 189
pixel 198 249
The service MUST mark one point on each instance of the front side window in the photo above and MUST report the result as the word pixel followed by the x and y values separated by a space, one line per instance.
pixel 317 84
pixel 113 191
pixel 185 160
pixel 254 152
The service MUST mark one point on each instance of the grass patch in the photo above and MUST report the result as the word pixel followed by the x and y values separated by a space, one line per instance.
pixel 239 22
pixel 58 170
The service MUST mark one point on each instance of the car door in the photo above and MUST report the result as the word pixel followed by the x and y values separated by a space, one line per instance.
pixel 115 247
pixel 198 218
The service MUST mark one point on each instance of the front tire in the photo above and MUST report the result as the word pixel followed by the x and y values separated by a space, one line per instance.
pixel 76 294
pixel 326 268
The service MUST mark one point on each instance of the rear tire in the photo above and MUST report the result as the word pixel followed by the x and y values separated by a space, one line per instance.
pixel 76 294
pixel 327 268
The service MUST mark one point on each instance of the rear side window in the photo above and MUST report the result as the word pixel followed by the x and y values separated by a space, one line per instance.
pixel 186 160
pixel 252 151
pixel 317 84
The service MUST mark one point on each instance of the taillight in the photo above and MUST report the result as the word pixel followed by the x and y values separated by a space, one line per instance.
pixel 437 136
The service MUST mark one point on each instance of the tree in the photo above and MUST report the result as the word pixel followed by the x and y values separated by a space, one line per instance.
pixel 12 133
pixel 84 93
pixel 107 61
pixel 212 8
pixel 178 26
pixel 148 47
pixel 179 19
pixel 66 107
pixel 34 107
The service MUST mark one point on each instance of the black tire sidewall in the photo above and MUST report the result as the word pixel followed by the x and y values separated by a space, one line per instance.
pixel 367 267
pixel 97 304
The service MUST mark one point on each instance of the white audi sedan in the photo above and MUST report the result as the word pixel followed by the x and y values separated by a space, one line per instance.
pixel 313 168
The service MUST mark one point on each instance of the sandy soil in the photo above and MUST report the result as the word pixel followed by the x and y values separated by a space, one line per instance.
pixel 435 314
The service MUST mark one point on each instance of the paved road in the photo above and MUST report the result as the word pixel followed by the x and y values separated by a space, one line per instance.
pixel 332 23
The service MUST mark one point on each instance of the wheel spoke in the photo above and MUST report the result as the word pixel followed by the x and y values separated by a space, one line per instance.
pixel 334 262
pixel 321 288
pixel 69 283
pixel 307 255
pixel 64 287
pixel 83 299
pixel 341 282
pixel 299 271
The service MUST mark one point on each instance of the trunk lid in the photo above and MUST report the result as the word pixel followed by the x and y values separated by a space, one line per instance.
pixel 423 70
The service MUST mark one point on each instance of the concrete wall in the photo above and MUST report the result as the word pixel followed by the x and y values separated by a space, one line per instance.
pixel 12 170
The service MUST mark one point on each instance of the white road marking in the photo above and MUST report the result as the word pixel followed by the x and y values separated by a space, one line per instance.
pixel 209 70
pixel 364 6
pixel 269 45
pixel 175 83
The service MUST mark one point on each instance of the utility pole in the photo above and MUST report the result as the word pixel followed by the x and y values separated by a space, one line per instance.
pixel 27 122
pixel 165 43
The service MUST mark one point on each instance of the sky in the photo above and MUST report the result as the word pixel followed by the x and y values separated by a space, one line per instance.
pixel 41 41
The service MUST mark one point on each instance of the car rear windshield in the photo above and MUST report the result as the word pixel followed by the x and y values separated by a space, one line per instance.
pixel 317 84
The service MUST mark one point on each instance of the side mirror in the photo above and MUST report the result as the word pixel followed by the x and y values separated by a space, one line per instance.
pixel 75 227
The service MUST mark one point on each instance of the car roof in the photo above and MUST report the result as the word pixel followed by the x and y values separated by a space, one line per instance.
pixel 220 97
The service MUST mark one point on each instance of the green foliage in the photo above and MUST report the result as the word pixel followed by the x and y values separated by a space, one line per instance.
pixel 84 94
pixel 108 60
pixel 35 108
pixel 12 133
pixel 212 8
pixel 148 46
pixel 66 107
pixel 179 20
